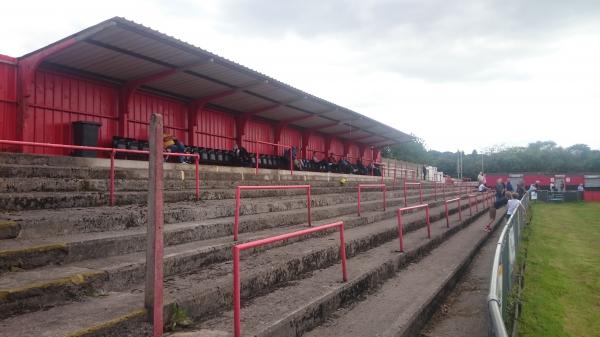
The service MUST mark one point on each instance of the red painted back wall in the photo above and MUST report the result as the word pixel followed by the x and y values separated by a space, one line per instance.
pixel 8 99
pixel 215 129
pixel 61 99
pixel 142 106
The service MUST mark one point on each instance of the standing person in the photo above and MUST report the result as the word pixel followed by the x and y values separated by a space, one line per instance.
pixel 480 178
pixel 520 190
pixel 512 204
pixel 500 189
pixel 509 186
pixel 551 187
pixel 580 188
pixel 424 172
pixel 172 144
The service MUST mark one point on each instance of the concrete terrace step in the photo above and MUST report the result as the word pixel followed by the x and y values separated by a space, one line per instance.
pixel 50 200
pixel 207 291
pixel 113 273
pixel 300 306
pixel 71 248
pixel 54 222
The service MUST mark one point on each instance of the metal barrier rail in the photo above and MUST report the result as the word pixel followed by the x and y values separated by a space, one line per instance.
pixel 243 246
pixel 420 192
pixel 360 186
pixel 469 196
pixel 238 197
pixel 401 224
pixel 112 152
pixel 273 144
pixel 503 267
pixel 446 202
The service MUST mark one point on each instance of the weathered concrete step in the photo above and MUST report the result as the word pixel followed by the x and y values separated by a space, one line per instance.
pixel 28 290
pixel 173 181
pixel 56 222
pixel 404 303
pixel 303 305
pixel 71 248
pixel 51 200
pixel 208 291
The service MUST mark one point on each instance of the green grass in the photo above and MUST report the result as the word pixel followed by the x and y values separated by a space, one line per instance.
pixel 562 275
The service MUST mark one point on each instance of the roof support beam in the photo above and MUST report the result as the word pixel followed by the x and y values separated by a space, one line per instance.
pixel 26 68
pixel 274 106
pixel 325 126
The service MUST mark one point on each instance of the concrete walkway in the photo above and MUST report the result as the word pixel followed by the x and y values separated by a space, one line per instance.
pixel 464 313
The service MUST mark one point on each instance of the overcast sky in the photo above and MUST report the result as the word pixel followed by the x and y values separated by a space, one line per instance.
pixel 463 74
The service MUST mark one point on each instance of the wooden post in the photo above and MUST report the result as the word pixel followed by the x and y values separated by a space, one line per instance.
pixel 154 251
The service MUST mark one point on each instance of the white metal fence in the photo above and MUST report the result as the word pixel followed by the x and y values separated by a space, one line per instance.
pixel 503 269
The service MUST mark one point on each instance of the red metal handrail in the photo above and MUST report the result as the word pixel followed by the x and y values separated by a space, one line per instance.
pixel 112 151
pixel 238 196
pixel 401 224
pixel 459 211
pixel 237 307
pixel 470 196
pixel 420 192
pixel 273 144
pixel 382 186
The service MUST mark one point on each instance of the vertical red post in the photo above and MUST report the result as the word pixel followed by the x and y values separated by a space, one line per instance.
pixel 237 306
pixel 435 189
pixel 400 230
pixel 447 220
pixel 459 211
pixel 343 253
pixel 291 163
pixel 111 193
pixel 358 199
pixel 154 252
pixel 394 185
pixel 384 193
pixel 197 162
pixel 420 193
pixel 428 222
pixel 382 173
pixel 405 203
pixel 470 205
pixel 308 202
pixel 236 223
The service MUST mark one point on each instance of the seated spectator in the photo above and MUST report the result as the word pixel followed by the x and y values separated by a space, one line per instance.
pixel 482 188
pixel 360 169
pixel 298 163
pixel 331 162
pixel 240 154
pixel 344 166
pixel 320 165
pixel 172 144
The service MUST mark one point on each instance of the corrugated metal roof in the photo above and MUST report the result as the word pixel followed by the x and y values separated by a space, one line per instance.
pixel 123 50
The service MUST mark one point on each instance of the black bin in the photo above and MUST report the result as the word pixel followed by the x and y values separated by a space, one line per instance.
pixel 85 134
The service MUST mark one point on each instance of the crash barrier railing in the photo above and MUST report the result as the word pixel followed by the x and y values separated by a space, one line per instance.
pixel 253 244
pixel 112 152
pixel 435 189
pixel 406 194
pixel 470 198
pixel 238 197
pixel 361 186
pixel 446 202
pixel 257 154
pixel 503 270
pixel 401 223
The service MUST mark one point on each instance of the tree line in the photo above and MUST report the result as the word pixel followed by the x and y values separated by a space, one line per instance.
pixel 541 156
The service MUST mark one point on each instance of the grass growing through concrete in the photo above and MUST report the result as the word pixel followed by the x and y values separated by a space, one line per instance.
pixel 562 276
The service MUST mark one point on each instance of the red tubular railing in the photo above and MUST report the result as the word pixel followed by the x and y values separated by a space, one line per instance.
pixel 401 224
pixel 406 194
pixel 273 144
pixel 237 307
pixel 446 207
pixel 113 152
pixel 382 186
pixel 473 196
pixel 238 197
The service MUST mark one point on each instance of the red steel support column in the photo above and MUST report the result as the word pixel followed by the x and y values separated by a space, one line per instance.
pixel 237 305
pixel 359 200
pixel 446 209
pixel 405 193
pixel 428 222
pixel 154 251
pixel 112 178
pixel 400 230
pixel 308 202
pixel 197 162
pixel 343 253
